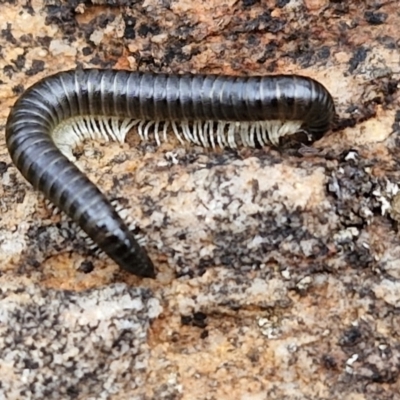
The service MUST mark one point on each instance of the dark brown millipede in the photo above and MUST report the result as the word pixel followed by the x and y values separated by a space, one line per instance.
pixel 60 111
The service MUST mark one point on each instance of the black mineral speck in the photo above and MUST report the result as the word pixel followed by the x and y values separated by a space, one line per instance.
pixel 204 334
pixel 396 126
pixel 375 18
pixel 20 61
pixel 324 52
pixel 62 16
pixel 360 257
pixel 281 3
pixel 18 89
pixel 130 23
pixel 86 267
pixel 144 30
pixel 28 8
pixel 44 41
pixel 329 361
pixel 186 319
pixel 37 66
pixel 351 337
pixel 359 56
pixel 102 63
pixel 87 51
pixel 340 7
pixel 104 19
pixel 174 52
pixel 116 50
pixel 385 376
pixel 96 60
pixel 3 167
pixel 27 38
pixel 7 35
pixel 34 263
pixel 199 320
pixel 387 41
pixel 72 392
pixel 249 3
pixel 30 364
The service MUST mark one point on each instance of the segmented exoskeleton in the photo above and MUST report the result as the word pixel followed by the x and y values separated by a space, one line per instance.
pixel 60 111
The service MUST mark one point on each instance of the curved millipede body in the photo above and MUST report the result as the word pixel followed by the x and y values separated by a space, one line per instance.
pixel 58 112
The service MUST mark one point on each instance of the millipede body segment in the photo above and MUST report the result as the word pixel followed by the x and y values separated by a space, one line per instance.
pixel 60 111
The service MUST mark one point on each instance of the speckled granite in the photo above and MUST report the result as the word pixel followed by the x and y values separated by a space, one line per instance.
pixel 63 344
pixel 278 272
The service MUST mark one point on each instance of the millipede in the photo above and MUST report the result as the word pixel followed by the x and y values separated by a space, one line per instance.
pixel 60 111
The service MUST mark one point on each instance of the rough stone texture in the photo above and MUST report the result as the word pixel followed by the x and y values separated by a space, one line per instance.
pixel 63 344
pixel 278 273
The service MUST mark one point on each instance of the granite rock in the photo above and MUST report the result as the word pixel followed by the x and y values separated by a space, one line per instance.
pixel 277 271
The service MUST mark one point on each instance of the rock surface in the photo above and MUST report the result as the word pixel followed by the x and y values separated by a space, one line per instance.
pixel 278 274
